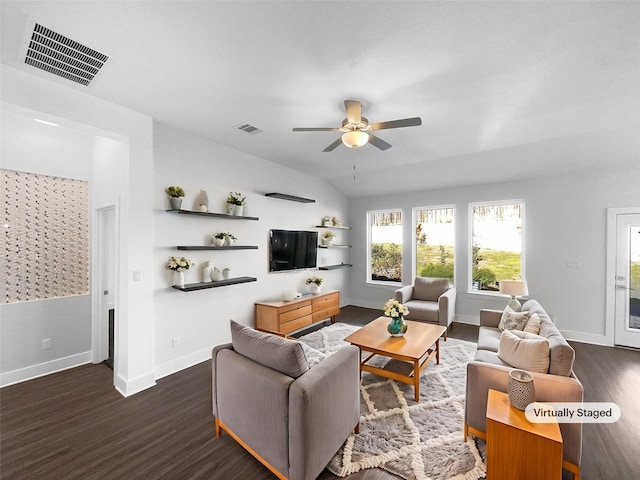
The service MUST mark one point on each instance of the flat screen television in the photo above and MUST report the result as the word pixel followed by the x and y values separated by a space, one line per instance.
pixel 292 250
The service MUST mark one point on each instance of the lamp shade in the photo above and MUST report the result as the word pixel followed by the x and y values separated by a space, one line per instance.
pixel 514 287
pixel 355 138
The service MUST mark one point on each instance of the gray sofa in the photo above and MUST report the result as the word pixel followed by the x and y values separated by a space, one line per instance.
pixel 431 300
pixel 559 384
pixel 291 417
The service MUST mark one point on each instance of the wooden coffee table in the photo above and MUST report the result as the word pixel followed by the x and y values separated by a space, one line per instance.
pixel 419 345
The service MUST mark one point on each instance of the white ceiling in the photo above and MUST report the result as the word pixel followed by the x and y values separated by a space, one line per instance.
pixel 505 90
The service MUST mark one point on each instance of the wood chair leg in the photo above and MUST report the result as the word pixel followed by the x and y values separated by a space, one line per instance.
pixel 357 429
pixel 218 428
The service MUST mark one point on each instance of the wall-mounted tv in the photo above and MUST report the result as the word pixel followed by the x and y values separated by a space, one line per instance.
pixel 292 250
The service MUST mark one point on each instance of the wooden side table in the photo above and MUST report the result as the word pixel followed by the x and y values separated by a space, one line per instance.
pixel 517 448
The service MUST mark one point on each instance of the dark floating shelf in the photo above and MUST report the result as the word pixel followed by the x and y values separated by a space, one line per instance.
pixel 335 267
pixel 212 214
pixel 338 227
pixel 190 287
pixel 334 246
pixel 293 198
pixel 213 247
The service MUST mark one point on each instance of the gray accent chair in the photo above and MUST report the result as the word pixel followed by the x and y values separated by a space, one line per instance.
pixel 290 417
pixel 431 300
pixel 559 384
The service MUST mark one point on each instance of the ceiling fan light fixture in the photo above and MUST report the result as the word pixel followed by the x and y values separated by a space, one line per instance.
pixel 355 138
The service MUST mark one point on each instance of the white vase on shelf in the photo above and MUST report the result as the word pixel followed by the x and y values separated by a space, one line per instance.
pixel 314 289
pixel 206 272
pixel 178 279
pixel 238 210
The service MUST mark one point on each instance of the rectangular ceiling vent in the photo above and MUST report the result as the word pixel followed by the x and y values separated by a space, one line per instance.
pixel 247 128
pixel 59 55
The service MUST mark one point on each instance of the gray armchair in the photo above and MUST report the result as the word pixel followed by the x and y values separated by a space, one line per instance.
pixel 431 300
pixel 290 417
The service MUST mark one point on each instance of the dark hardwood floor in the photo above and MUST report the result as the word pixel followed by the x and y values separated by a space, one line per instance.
pixel 74 425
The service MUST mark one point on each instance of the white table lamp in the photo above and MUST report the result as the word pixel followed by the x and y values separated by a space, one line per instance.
pixel 514 288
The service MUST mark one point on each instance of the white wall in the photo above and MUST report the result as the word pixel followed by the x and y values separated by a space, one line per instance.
pixel 200 319
pixel 33 147
pixel 77 108
pixel 565 221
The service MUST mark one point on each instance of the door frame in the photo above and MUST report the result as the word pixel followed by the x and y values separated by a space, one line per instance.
pixel 612 245
pixel 97 320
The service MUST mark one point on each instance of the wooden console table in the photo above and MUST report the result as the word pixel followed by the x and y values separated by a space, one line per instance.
pixel 517 448
pixel 284 317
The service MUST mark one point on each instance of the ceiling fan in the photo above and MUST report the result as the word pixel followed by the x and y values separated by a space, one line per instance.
pixel 357 131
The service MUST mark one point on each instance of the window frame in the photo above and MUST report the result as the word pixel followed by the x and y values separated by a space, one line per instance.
pixel 470 243
pixel 369 215
pixel 414 247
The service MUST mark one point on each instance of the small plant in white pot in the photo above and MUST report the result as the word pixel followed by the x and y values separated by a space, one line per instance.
pixel 175 196
pixel 327 237
pixel 314 283
pixel 235 203
pixel 218 239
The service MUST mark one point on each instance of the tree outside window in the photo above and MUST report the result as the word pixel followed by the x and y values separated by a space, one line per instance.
pixel 496 250
pixel 435 242
pixel 385 247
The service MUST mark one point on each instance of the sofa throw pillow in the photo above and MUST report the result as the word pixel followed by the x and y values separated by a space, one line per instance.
pixel 429 289
pixel 532 325
pixel 512 320
pixel 524 350
pixel 285 356
pixel 313 355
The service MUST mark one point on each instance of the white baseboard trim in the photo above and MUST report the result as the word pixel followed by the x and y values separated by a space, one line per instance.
pixel 136 385
pixel 46 368
pixel 181 363
pixel 587 337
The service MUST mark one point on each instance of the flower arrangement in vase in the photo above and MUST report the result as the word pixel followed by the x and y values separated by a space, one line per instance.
pixel 397 326
pixel 179 266
pixel 175 196
pixel 327 237
pixel 235 203
pixel 223 239
pixel 314 283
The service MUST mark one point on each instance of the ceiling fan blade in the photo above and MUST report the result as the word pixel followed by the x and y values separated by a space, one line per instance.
pixel 334 145
pixel 314 129
pixel 378 142
pixel 354 111
pixel 405 122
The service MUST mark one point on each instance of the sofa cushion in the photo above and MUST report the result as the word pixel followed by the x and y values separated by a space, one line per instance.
pixel 488 339
pixel 424 311
pixel 429 289
pixel 512 320
pixel 533 324
pixel 561 353
pixel 490 357
pixel 285 356
pixel 524 350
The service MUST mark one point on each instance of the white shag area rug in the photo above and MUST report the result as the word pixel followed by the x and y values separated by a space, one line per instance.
pixel 414 440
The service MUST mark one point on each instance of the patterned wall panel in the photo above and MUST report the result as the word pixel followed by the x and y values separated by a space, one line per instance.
pixel 45 241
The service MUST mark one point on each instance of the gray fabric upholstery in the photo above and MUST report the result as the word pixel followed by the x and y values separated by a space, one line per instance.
pixel 488 371
pixel 482 376
pixel 285 356
pixel 295 425
pixel 441 310
pixel 429 289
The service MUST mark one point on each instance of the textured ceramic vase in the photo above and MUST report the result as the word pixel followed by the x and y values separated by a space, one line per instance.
pixel 521 389
pixel 313 288
pixel 397 327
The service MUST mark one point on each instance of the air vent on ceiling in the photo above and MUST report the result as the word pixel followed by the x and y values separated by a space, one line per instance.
pixel 245 127
pixel 59 55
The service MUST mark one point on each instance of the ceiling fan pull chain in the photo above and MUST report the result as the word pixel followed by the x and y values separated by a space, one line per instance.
pixel 355 152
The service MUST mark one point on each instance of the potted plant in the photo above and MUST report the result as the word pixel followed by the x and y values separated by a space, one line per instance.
pixel 229 239
pixel 314 283
pixel 235 203
pixel 218 239
pixel 179 266
pixel 175 196
pixel 327 237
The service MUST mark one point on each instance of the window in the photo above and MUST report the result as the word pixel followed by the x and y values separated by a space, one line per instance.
pixel 435 242
pixel 497 251
pixel 385 246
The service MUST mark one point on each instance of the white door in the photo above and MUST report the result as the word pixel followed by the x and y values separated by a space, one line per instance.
pixel 627 284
